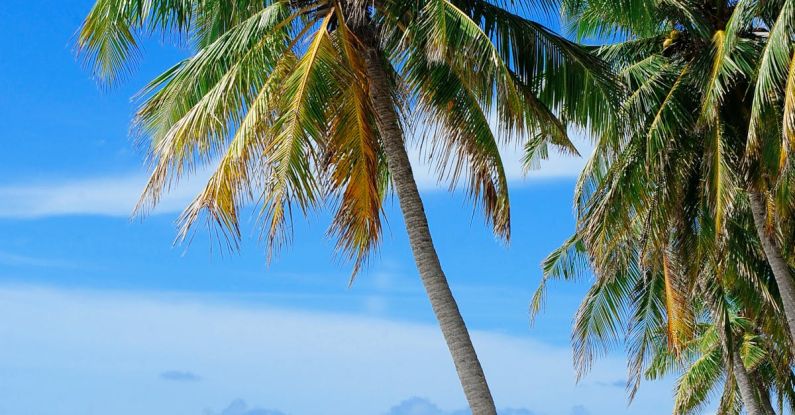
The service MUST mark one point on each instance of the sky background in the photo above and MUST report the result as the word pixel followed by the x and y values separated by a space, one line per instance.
pixel 101 313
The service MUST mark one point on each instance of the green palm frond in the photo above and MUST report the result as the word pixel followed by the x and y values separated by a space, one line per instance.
pixel 720 184
pixel 569 263
pixel 611 19
pixel 192 108
pixel 670 111
pixel 648 311
pixel 108 37
pixel 772 71
pixel 470 53
pixel 456 131
pixel 601 318
pixel 572 81
pixel 788 118
pixel 730 61
pixel 237 173
pixel 699 382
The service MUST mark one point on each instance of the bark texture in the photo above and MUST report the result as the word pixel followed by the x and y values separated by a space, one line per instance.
pixel 764 394
pixel 781 271
pixel 444 305
pixel 746 387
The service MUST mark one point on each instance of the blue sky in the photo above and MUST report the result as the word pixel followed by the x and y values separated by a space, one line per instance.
pixel 101 314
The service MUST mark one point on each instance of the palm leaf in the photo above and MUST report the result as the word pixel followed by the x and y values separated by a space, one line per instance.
pixel 293 151
pixel 354 158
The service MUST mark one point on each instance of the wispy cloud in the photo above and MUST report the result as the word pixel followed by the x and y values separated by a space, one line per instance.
pixel 67 345
pixel 16 260
pixel 557 166
pixel 107 196
pixel 117 195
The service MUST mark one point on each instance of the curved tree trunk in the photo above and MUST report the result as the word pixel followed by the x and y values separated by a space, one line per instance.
pixel 444 305
pixel 746 386
pixel 781 272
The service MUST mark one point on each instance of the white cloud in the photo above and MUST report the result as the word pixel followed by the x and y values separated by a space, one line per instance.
pixel 107 196
pixel 15 260
pixel 117 195
pixel 99 350
pixel 557 166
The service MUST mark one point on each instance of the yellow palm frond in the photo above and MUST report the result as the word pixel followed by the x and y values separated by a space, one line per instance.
pixel 292 153
pixel 788 123
pixel 679 324
pixel 353 156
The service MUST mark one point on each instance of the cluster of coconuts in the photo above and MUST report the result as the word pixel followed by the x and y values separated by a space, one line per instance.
pixel 672 37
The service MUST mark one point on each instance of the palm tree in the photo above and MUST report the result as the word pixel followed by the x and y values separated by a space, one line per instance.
pixel 663 225
pixel 703 364
pixel 714 82
pixel 686 199
pixel 681 309
pixel 304 103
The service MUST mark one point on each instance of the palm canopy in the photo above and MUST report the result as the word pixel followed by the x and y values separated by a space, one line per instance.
pixel 705 372
pixel 275 93
pixel 656 297
pixel 677 309
pixel 717 73
pixel 663 205
pixel 705 123
pixel 695 134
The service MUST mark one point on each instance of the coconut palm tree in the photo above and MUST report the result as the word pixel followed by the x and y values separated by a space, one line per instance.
pixel 306 103
pixel 711 81
pixel 702 365
pixel 681 309
pixel 664 226
pixel 686 199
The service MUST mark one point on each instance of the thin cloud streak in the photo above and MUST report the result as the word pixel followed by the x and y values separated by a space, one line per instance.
pixel 10 259
pixel 109 196
pixel 117 196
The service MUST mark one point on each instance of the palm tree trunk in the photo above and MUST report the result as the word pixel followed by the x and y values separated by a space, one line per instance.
pixel 781 272
pixel 764 394
pixel 746 387
pixel 444 305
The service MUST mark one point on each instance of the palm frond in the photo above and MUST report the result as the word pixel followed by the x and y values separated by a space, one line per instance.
pixel 192 108
pixel 459 138
pixel 236 176
pixel 600 320
pixel 720 184
pixel 569 262
pixel 696 385
pixel 772 71
pixel 354 158
pixel 292 153
pixel 108 37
